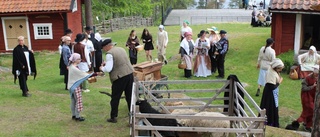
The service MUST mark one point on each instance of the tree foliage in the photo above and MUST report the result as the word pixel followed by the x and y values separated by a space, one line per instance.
pixel 106 9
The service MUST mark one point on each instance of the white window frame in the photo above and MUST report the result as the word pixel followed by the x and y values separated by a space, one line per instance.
pixel 75 6
pixel 35 30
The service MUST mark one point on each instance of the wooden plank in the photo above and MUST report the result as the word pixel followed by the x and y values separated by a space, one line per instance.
pixel 173 116
pixel 185 81
pixel 187 90
pixel 199 129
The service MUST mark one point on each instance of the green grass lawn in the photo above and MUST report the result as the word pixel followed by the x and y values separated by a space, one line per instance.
pixel 47 112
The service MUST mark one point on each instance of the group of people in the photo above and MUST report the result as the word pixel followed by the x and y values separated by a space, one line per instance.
pixel 133 43
pixel 88 45
pixel 260 18
pixel 208 51
pixel 270 68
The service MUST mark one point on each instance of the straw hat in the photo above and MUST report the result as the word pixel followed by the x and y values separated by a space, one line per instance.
pixel 214 29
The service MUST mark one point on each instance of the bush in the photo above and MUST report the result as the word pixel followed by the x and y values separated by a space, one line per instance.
pixel 288 60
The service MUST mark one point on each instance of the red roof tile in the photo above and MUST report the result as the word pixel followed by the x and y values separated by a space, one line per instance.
pixel 293 4
pixel 11 6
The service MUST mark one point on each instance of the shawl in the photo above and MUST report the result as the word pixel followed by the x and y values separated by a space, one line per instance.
pixel 76 77
pixel 185 45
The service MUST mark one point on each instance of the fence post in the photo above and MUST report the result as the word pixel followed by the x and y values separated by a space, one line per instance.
pixel 231 97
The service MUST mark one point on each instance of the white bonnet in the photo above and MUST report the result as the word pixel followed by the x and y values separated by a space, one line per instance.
pixel 74 57
pixel 276 63
pixel 161 27
pixel 313 48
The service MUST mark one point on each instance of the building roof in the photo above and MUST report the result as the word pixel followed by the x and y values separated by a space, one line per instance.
pixel 18 6
pixel 298 5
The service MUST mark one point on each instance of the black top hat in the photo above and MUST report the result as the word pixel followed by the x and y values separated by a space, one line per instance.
pixel 106 42
pixel 80 37
pixel 270 41
pixel 223 32
pixel 88 28
pixel 67 31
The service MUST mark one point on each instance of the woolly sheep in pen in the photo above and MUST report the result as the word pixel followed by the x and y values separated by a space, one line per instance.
pixel 209 123
pixel 183 112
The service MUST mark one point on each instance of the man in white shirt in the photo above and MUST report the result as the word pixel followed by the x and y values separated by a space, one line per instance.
pixel 121 76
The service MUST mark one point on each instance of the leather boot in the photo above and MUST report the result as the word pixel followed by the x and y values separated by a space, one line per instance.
pixel 258 92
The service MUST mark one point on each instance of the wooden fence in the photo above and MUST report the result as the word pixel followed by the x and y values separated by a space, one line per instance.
pixel 243 119
pixel 123 23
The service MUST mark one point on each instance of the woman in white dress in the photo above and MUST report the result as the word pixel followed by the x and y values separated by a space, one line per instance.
pixel 162 43
pixel 266 55
pixel 202 65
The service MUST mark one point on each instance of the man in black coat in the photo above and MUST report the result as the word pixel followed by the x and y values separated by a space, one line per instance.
pixel 23 64
pixel 97 57
pixel 223 46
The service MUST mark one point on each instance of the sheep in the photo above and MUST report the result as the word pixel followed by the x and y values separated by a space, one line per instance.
pixel 183 112
pixel 145 107
pixel 209 123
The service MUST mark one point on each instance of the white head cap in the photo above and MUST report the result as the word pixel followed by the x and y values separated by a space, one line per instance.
pixel 161 27
pixel 277 63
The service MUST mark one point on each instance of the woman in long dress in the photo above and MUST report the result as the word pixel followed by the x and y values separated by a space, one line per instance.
pixel 148 45
pixel 132 42
pixel 202 65
pixel 213 38
pixel 186 50
pixel 269 100
pixel 162 43
pixel 266 55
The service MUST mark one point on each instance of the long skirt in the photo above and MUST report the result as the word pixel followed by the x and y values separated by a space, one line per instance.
pixel 202 66
pixel 262 77
pixel 269 101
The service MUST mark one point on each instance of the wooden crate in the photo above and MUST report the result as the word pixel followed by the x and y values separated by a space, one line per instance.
pixel 144 77
pixel 148 67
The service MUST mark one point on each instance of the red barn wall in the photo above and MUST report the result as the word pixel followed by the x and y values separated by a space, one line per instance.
pixel 2 44
pixel 57 30
pixel 283 31
pixel 74 21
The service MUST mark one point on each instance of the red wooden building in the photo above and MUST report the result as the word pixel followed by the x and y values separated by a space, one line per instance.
pixel 41 22
pixel 295 24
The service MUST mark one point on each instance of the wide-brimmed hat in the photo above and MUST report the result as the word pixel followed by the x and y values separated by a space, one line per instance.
pixel 223 32
pixel 80 37
pixel 214 29
pixel 67 31
pixel 88 28
pixel 107 42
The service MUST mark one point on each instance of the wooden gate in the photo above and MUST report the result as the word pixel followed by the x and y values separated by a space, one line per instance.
pixel 238 106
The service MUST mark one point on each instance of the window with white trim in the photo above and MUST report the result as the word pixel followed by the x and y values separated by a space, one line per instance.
pixel 42 30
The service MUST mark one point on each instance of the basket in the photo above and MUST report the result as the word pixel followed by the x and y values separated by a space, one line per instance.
pixel 92 79
pixel 182 65
pixel 139 47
